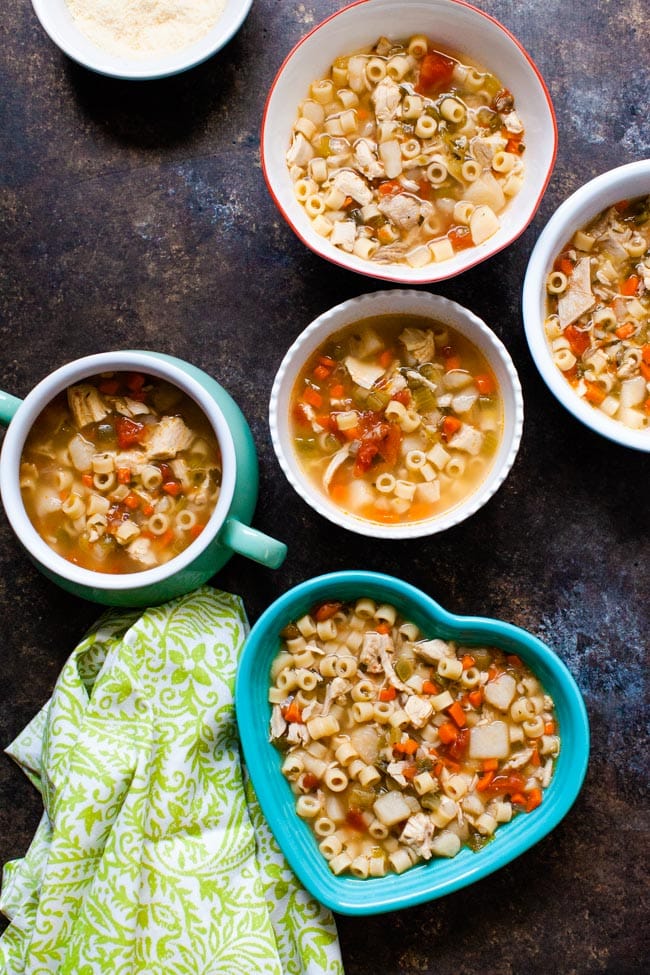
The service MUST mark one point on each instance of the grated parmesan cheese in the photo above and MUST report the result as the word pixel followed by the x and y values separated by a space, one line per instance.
pixel 145 28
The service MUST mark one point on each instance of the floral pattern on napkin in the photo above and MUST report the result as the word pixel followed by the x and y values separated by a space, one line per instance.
pixel 152 855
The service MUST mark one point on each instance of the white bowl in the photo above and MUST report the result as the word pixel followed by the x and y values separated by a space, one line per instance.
pixel 456 26
pixel 58 23
pixel 623 183
pixel 399 302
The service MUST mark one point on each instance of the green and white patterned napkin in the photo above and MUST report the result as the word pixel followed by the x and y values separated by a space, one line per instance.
pixel 152 855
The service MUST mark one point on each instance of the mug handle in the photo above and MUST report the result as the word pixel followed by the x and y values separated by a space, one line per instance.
pixel 253 544
pixel 8 407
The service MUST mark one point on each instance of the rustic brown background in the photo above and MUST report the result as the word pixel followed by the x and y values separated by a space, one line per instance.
pixel 136 215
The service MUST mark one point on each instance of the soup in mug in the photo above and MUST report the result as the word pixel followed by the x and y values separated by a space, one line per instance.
pixel 120 472
pixel 396 418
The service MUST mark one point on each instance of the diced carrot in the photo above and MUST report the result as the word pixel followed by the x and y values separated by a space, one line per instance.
pixel 645 353
pixel 447 732
pixel 383 628
pixel 429 687
pixel 387 693
pixel 148 510
pixel 450 425
pixel 493 672
pixel 625 330
pixel 594 393
pixel 313 397
pixel 410 772
pixel 410 746
pixel 389 186
pixel 321 372
pixel 629 286
pixel 196 530
pixel 452 362
pixel 549 728
pixel 419 510
pixel 64 495
pixel 87 480
pixel 514 660
pixel 362 113
pixel 123 475
pixel 386 358
pixel 385 234
pixel 519 799
pixel 457 714
pixel 292 713
pixel 338 493
pixel 132 501
pixel 563 264
pixel 167 538
pixel 646 405
pixel 467 660
pixel 475 697
pixel 533 799
pixel 337 391
pixel 484 383
pixel 490 764
pixel 484 781
pixel 534 758
pixel 644 368
pixel 514 145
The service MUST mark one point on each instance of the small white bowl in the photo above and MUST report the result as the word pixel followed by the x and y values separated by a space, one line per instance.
pixel 456 26
pixel 58 23
pixel 623 183
pixel 401 303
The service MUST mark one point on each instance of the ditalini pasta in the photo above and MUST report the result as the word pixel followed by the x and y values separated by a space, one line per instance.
pixel 396 418
pixel 425 747
pixel 406 154
pixel 598 312
pixel 120 473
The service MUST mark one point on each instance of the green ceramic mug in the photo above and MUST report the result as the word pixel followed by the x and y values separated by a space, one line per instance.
pixel 228 529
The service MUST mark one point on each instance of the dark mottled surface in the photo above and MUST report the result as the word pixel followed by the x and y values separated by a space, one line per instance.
pixel 136 215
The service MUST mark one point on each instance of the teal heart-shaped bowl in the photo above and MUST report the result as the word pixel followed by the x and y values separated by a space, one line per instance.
pixel 437 877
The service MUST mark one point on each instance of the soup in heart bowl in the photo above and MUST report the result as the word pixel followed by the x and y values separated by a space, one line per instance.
pixel 400 752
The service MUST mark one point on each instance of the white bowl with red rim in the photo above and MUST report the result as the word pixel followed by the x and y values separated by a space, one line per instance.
pixel 455 26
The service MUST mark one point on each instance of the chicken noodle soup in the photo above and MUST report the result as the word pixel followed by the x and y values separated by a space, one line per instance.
pixel 400 747
pixel 396 418
pixel 406 154
pixel 120 473
pixel 598 312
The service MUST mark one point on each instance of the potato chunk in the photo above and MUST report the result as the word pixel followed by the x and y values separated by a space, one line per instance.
pixel 500 692
pixel 489 740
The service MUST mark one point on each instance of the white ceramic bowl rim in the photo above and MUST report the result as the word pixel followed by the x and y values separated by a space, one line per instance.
pixel 624 182
pixel 463 260
pixel 404 301
pixel 58 23
pixel 21 424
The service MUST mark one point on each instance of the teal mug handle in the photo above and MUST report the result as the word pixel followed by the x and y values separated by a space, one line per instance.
pixel 253 544
pixel 8 407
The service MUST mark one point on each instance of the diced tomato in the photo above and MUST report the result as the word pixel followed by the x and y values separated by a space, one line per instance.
pixel 387 693
pixel 379 439
pixel 594 394
pixel 625 330
pixel 354 819
pixel 506 784
pixel 109 386
pixel 435 72
pixel 309 780
pixel 321 372
pixel 300 416
pixel 173 488
pixel 450 426
pixel 458 748
pixel 389 187
pixel 577 339
pixel 563 264
pixel 129 432
pixel 326 610
pixel 313 397
pixel 134 381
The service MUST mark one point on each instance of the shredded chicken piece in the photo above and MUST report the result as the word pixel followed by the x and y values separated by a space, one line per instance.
pixel 468 439
pixel 365 159
pixel 418 710
pixel 169 437
pixel 578 297
pixel 418 834
pixel 86 405
pixel 419 343
pixel 278 724
pixel 362 373
pixel 370 650
pixel 337 459
pixel 386 99
pixel 404 210
pixel 351 184
pixel 389 670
